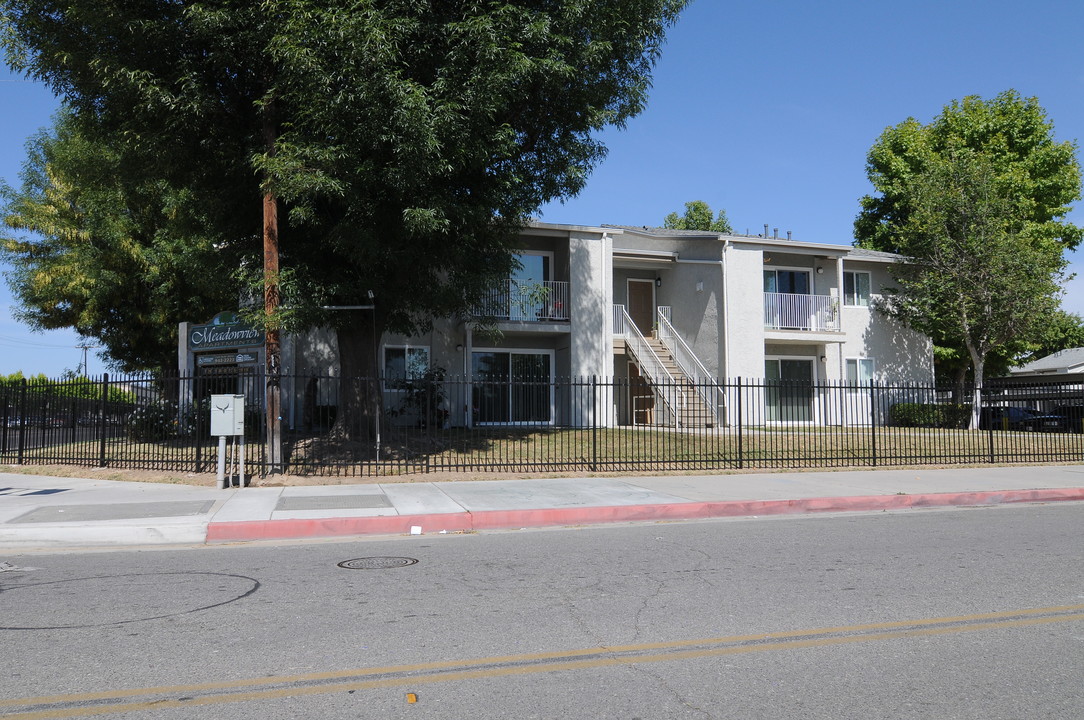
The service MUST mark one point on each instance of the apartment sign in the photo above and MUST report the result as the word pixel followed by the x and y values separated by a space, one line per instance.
pixel 224 331
pixel 207 359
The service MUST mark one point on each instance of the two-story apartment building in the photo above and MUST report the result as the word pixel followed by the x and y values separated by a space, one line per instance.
pixel 661 310
pixel 764 309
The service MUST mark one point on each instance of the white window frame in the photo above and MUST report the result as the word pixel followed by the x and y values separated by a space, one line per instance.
pixel 851 300
pixel 857 363
pixel 814 379
pixel 519 351
pixel 815 375
pixel 790 268
pixel 406 354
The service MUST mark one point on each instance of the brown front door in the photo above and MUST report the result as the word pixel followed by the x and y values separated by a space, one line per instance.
pixel 642 305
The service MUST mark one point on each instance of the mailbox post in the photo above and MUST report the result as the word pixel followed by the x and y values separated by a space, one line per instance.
pixel 228 421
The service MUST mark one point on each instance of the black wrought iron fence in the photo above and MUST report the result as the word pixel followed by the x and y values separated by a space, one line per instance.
pixel 432 423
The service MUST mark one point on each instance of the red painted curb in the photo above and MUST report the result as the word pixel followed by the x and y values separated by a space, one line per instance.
pixel 549 517
pixel 331 527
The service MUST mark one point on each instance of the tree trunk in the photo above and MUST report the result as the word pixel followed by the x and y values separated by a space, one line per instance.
pixel 976 399
pixel 360 399
pixel 958 391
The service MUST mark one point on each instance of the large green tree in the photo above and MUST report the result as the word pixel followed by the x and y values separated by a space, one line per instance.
pixel 1015 136
pixel 101 248
pixel 974 278
pixel 1062 331
pixel 405 141
pixel 981 168
pixel 698 216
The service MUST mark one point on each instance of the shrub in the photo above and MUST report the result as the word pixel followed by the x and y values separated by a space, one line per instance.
pixel 155 421
pixel 948 415
pixel 422 400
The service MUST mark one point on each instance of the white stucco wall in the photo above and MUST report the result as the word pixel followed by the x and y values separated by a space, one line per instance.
pixel 744 321
pixel 590 299
pixel 591 320
pixel 694 293
pixel 901 355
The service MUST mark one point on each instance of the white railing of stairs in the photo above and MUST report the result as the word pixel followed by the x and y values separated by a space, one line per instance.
pixel 706 387
pixel 664 385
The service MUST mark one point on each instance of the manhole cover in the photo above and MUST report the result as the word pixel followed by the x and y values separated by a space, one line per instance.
pixel 377 563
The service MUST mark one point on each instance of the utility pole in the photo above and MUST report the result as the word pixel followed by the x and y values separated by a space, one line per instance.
pixel 84 347
pixel 271 296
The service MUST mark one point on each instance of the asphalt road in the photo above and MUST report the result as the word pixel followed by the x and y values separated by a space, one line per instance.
pixel 975 613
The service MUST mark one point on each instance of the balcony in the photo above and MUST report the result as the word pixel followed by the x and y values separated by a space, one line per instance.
pixel 811 313
pixel 518 301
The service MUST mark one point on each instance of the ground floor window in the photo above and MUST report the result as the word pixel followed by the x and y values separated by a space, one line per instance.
pixel 859 371
pixel 512 386
pixel 788 392
pixel 404 363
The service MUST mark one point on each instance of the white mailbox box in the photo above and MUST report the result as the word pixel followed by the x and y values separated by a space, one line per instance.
pixel 227 415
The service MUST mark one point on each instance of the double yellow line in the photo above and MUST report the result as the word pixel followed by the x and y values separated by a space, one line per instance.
pixel 270 688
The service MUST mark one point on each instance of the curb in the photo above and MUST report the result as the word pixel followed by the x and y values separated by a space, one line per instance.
pixel 238 531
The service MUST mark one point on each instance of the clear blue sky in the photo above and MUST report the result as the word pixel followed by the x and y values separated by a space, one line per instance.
pixel 766 109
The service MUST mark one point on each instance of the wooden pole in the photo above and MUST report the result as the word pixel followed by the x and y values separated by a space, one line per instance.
pixel 272 347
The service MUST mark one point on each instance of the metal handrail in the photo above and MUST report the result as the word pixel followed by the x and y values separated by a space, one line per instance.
pixel 651 365
pixel 619 320
pixel 689 363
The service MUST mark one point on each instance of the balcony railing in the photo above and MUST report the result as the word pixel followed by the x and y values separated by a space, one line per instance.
pixel 789 311
pixel 519 301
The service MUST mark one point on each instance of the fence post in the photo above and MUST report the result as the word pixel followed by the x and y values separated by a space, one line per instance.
pixel 4 422
pixel 873 422
pixel 22 421
pixel 187 391
pixel 430 416
pixel 594 423
pixel 101 424
pixel 741 444
pixel 74 419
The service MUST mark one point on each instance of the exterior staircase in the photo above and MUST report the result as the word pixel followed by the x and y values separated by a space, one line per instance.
pixel 693 413
pixel 682 400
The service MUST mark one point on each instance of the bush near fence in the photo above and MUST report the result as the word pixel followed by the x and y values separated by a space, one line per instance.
pixel 930 415
pixel 565 425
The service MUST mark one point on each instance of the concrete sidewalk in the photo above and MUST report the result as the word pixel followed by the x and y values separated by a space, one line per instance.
pixel 55 512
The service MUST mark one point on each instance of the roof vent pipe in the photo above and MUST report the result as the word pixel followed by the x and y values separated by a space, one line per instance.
pixel 765 230
pixel 788 234
pixel 775 233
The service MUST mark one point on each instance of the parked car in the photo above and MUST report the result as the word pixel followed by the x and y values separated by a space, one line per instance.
pixel 1072 417
pixel 1020 418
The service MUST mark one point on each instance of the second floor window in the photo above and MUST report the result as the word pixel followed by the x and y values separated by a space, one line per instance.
pixel 535 269
pixel 856 288
pixel 795 282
